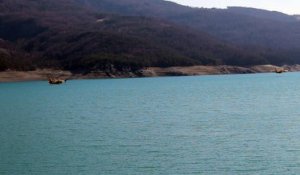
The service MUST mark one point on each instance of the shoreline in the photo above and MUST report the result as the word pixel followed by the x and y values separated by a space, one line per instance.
pixel 42 74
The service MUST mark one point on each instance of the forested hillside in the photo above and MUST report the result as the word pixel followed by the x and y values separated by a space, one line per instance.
pixel 87 35
pixel 238 25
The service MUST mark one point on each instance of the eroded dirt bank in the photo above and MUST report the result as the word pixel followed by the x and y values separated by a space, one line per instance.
pixel 43 74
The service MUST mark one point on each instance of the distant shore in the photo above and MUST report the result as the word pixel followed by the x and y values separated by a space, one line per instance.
pixel 42 74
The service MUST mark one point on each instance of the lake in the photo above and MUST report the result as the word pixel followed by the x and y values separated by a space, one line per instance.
pixel 224 124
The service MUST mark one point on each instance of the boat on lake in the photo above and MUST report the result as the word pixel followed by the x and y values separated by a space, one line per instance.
pixel 280 70
pixel 57 78
pixel 56 81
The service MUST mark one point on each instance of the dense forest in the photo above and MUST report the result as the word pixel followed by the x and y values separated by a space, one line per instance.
pixel 88 35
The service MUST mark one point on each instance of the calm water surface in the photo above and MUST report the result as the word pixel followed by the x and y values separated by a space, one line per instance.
pixel 230 124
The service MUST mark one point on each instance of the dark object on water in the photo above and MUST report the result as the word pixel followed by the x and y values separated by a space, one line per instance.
pixel 56 78
pixel 279 70
pixel 56 81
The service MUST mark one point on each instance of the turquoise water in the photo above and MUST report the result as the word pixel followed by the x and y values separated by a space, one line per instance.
pixel 230 124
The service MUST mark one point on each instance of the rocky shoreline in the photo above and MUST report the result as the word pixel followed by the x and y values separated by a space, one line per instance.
pixel 43 74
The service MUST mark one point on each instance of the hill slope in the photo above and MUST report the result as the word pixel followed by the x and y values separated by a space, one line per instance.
pixel 87 35
pixel 65 34
pixel 246 26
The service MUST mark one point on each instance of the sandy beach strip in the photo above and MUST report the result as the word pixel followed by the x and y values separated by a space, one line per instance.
pixel 43 74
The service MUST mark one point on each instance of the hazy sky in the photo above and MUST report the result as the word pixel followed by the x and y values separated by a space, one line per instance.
pixel 286 6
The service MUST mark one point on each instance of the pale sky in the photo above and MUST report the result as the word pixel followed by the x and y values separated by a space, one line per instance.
pixel 285 6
